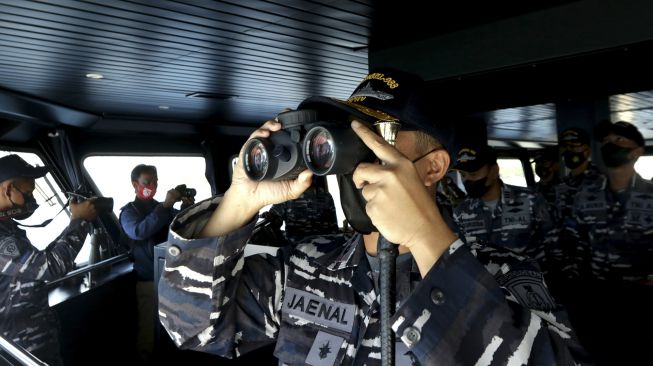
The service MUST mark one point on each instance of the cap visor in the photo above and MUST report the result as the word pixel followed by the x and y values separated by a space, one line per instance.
pixel 336 105
pixel 36 172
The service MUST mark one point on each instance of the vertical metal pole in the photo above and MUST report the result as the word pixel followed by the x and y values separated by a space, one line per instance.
pixel 387 253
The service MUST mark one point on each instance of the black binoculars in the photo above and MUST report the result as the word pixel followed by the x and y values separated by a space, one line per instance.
pixel 186 192
pixel 102 204
pixel 305 141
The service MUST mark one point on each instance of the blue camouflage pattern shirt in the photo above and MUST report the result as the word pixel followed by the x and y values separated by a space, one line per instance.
pixel 317 302
pixel 611 234
pixel 565 192
pixel 564 259
pixel 312 213
pixel 520 222
pixel 26 317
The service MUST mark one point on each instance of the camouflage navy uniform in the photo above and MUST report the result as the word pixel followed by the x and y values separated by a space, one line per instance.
pixel 612 234
pixel 565 192
pixel 548 191
pixel 565 258
pixel 26 315
pixel 317 301
pixel 520 222
pixel 313 213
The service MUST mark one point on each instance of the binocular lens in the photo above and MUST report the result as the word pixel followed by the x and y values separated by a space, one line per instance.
pixel 256 159
pixel 320 150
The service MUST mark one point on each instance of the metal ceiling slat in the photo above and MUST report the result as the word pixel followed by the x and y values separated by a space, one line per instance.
pixel 274 14
pixel 147 84
pixel 195 16
pixel 262 50
pixel 190 76
pixel 323 8
pixel 353 6
pixel 272 55
pixel 194 60
pixel 117 25
pixel 334 81
pixel 47 45
pixel 171 85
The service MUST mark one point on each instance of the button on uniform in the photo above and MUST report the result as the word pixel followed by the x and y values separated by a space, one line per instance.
pixel 412 335
pixel 174 250
pixel 437 296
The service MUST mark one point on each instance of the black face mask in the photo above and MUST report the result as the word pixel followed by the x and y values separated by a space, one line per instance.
pixel 353 203
pixel 23 211
pixel 573 159
pixel 476 188
pixel 543 172
pixel 615 155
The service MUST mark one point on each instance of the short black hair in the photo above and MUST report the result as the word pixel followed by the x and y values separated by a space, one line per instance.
pixel 142 169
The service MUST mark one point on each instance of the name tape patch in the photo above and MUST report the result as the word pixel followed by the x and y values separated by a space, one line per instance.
pixel 318 310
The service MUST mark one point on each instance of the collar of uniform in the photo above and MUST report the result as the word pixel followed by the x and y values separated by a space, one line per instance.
pixel 507 194
pixel 348 255
pixel 9 227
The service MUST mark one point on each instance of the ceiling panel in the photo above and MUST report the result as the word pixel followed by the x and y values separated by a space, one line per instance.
pixel 636 108
pixel 531 123
pixel 266 55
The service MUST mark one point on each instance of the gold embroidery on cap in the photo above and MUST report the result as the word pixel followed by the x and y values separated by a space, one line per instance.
pixel 390 82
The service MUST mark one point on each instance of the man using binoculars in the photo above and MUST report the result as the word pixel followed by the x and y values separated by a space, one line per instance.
pixel 145 221
pixel 318 300
pixel 25 314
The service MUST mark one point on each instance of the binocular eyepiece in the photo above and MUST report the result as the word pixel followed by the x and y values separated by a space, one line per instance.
pixel 324 147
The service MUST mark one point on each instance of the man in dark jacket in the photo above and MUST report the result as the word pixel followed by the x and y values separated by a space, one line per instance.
pixel 145 221
pixel 25 316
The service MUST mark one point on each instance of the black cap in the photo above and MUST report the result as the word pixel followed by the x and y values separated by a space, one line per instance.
pixel 574 135
pixel 620 128
pixel 13 166
pixel 472 158
pixel 388 94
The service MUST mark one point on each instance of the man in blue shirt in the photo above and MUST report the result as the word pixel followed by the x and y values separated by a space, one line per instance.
pixel 145 221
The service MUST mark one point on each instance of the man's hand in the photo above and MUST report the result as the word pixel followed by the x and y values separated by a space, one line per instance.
pixel 84 210
pixel 187 202
pixel 397 200
pixel 246 197
pixel 172 196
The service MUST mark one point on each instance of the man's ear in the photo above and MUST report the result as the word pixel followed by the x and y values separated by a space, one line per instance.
pixel 5 188
pixel 437 166
pixel 135 185
pixel 636 153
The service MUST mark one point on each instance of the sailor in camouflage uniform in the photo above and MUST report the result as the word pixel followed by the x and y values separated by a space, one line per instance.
pixel 575 147
pixel 312 213
pixel 612 227
pixel 26 316
pixel 318 300
pixel 547 168
pixel 497 213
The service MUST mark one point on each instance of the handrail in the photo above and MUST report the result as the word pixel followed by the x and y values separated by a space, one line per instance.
pixel 20 354
pixel 86 269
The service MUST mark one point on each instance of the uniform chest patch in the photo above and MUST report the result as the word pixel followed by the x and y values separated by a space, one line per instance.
pixel 9 248
pixel 318 310
pixel 324 350
pixel 529 289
